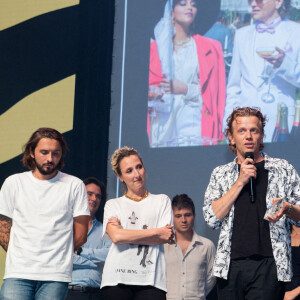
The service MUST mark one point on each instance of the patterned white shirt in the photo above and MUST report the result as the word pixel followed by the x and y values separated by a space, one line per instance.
pixel 283 182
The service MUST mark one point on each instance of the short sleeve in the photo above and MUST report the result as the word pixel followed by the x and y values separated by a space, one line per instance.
pixel 7 198
pixel 166 217
pixel 213 192
pixel 81 204
pixel 110 210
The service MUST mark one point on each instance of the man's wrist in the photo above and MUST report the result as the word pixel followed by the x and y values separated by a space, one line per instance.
pixel 78 251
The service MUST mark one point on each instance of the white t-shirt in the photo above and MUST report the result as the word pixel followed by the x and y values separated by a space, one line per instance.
pixel 137 264
pixel 41 237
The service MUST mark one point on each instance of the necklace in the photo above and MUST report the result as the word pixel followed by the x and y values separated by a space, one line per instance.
pixel 181 43
pixel 135 199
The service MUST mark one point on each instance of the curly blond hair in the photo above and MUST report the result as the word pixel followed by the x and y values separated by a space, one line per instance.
pixel 244 112
pixel 119 154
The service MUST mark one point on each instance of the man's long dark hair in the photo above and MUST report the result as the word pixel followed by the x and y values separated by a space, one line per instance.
pixel 48 133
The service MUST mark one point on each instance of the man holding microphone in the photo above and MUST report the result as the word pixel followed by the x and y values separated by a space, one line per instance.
pixel 254 251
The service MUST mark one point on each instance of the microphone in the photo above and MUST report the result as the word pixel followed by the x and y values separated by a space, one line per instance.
pixel 251 155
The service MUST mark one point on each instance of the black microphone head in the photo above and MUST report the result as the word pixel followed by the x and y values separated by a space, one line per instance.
pixel 249 155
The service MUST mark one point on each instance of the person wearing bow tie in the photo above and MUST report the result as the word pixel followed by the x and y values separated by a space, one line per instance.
pixel 265 69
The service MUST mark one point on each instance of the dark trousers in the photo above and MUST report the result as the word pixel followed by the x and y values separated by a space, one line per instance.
pixel 78 295
pixel 252 278
pixel 132 292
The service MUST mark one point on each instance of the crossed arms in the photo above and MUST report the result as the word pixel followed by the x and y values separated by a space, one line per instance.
pixel 153 236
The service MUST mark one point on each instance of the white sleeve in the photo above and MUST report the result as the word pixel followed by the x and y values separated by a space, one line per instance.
pixel 7 198
pixel 81 204
pixel 213 192
pixel 110 210
pixel 166 213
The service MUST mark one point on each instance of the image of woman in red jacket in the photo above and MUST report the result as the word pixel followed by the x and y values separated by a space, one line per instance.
pixel 186 95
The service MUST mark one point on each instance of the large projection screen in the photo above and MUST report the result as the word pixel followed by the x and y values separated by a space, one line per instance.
pixel 182 161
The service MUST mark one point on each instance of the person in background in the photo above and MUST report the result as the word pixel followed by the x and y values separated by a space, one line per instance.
pixel 88 260
pixel 138 223
pixel 44 216
pixel 190 259
pixel 235 23
pixel 221 33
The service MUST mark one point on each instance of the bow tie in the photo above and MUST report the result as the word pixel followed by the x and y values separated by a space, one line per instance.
pixel 270 28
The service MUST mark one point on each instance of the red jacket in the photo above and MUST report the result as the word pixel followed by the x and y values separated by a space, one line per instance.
pixel 212 82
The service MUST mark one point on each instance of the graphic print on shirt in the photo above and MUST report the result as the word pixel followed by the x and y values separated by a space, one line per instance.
pixel 133 218
pixel 146 250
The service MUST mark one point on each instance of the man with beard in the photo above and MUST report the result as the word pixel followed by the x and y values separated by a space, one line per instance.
pixel 44 216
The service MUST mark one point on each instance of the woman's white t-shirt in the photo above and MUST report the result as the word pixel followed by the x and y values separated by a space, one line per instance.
pixel 137 264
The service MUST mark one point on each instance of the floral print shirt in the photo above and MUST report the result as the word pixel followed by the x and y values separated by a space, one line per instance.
pixel 283 182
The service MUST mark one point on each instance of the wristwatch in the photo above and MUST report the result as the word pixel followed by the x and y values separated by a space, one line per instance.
pixel 79 250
